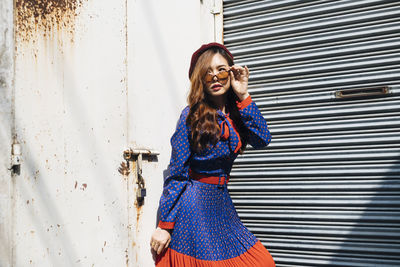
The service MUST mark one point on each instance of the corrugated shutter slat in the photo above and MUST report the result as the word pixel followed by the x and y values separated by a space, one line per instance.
pixel 326 191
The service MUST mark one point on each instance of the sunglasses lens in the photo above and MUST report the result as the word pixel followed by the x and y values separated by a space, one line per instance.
pixel 209 78
pixel 222 75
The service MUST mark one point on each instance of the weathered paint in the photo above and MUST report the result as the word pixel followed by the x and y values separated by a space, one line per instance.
pixel 70 111
pixel 6 122
pixel 91 79
pixel 45 17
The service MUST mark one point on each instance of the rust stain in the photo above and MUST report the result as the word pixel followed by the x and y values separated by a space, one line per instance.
pixel 36 175
pixel 124 169
pixel 138 213
pixel 84 186
pixel 105 243
pixel 45 17
pixel 126 257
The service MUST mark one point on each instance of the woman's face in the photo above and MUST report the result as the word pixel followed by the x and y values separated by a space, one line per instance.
pixel 217 87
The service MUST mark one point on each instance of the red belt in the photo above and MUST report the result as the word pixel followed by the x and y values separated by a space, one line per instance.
pixel 205 178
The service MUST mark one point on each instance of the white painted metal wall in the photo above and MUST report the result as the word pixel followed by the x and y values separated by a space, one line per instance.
pixel 71 120
pixel 91 78
pixel 162 36
pixel 6 74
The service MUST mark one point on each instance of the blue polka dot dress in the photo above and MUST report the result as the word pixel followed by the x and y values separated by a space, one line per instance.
pixel 206 228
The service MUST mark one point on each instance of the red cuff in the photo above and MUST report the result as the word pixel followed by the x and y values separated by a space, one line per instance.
pixel 243 104
pixel 166 225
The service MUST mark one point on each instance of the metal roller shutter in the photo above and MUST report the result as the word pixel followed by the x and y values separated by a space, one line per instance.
pixel 326 76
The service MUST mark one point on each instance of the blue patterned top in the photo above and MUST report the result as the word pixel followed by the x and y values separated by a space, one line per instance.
pixel 213 161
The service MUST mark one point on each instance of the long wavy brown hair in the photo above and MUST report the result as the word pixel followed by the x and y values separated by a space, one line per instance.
pixel 202 117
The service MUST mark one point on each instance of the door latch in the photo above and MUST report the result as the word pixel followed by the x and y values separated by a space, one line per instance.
pixel 137 155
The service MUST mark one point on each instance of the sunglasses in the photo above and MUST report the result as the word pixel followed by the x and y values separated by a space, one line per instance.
pixel 222 75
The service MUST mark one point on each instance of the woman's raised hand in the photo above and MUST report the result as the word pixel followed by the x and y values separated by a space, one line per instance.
pixel 160 240
pixel 240 80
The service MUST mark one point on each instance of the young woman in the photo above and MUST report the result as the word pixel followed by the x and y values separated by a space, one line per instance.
pixel 199 225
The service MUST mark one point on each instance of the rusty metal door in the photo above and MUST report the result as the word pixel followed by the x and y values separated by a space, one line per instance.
pixel 70 202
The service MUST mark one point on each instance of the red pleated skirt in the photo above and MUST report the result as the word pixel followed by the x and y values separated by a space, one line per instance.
pixel 256 256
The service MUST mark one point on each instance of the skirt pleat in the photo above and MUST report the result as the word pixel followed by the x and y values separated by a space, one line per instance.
pixel 208 232
pixel 256 256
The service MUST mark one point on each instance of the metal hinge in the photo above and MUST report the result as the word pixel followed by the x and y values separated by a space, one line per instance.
pixel 215 10
pixel 16 157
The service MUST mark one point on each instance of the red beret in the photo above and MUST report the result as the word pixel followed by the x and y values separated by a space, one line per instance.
pixel 201 50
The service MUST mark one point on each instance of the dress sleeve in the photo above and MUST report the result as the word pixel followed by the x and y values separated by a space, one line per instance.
pixel 178 178
pixel 259 134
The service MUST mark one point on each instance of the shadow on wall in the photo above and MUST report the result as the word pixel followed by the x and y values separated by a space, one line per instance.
pixel 165 175
pixel 49 199
pixel 372 238
pixel 162 52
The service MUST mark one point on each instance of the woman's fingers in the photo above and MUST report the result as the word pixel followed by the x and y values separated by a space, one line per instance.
pixel 163 245
pixel 232 75
pixel 239 80
pixel 236 70
pixel 247 71
pixel 160 240
pixel 160 248
pixel 156 247
pixel 167 244
pixel 239 72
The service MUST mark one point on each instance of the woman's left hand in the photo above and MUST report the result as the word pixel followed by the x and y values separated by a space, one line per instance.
pixel 240 80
